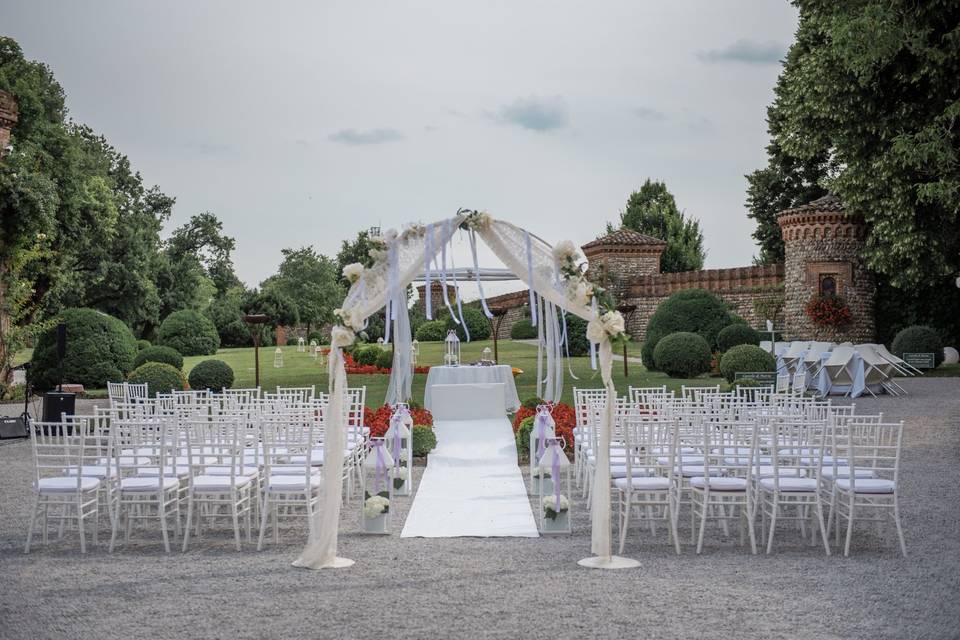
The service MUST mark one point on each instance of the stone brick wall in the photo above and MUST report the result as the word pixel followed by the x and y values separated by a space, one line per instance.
pixel 436 291
pixel 8 118
pixel 819 243
pixel 514 303
pixel 617 269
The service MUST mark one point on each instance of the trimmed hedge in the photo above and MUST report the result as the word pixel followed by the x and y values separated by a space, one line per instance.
pixel 692 310
pixel 683 355
pixel 100 349
pixel 367 356
pixel 167 355
pixel 735 334
pixel 190 333
pixel 531 403
pixel 215 375
pixel 918 339
pixel 424 440
pixel 744 358
pixel 292 340
pixel 385 359
pixel 160 378
pixel 523 435
pixel 478 324
pixel 432 331
pixel 319 336
pixel 522 329
pixel 577 336
pixel 143 344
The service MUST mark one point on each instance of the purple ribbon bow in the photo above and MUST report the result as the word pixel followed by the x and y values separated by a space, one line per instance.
pixel 541 423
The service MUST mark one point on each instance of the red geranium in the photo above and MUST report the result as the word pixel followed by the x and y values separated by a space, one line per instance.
pixel 828 311
pixel 563 415
pixel 379 420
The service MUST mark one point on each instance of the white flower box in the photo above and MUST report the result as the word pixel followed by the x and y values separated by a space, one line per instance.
pixel 560 524
pixel 375 525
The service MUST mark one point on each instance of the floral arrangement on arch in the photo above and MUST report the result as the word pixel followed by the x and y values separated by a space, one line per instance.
pixel 828 311
pixel 379 421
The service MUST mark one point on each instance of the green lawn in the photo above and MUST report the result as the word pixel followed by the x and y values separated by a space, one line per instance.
pixel 300 369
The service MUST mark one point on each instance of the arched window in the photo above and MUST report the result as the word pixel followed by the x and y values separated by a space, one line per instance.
pixel 828 285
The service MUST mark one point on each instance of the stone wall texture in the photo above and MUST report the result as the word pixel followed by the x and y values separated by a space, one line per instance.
pixel 8 118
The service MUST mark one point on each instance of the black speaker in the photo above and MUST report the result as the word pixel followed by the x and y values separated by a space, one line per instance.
pixel 56 403
pixel 12 428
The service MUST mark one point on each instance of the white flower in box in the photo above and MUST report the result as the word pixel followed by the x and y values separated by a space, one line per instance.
pixel 375 506
pixel 549 504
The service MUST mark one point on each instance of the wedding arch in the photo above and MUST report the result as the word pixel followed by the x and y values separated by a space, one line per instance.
pixel 557 284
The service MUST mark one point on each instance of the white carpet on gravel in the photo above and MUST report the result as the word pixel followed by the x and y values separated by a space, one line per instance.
pixel 472 485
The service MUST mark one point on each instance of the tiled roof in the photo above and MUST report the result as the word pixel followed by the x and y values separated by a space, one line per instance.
pixel 624 236
pixel 828 202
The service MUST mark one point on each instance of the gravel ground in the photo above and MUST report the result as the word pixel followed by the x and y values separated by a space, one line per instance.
pixel 508 588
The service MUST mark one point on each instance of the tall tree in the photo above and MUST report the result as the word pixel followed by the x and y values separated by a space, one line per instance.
pixel 357 250
pixel 868 107
pixel 653 211
pixel 312 280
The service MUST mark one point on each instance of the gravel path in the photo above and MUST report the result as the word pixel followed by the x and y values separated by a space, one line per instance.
pixel 509 588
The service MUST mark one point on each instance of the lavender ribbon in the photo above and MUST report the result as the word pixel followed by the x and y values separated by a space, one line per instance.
pixel 381 470
pixel 540 424
pixel 555 473
pixel 447 234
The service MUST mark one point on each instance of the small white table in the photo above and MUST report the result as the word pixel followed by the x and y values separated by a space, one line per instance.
pixel 469 374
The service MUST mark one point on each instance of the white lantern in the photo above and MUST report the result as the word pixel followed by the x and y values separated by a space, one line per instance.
pixel 377 488
pixel 487 356
pixel 278 358
pixel 318 355
pixel 554 505
pixel 415 350
pixel 300 345
pixel 399 438
pixel 380 341
pixel 452 349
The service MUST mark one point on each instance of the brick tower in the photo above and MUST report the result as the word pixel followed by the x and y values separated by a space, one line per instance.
pixel 619 258
pixel 824 254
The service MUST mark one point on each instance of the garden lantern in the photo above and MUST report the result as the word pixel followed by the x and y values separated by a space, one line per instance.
pixel 555 503
pixel 380 342
pixel 318 355
pixel 415 350
pixel 486 356
pixel 278 358
pixel 377 488
pixel 543 429
pixel 300 345
pixel 452 349
pixel 399 439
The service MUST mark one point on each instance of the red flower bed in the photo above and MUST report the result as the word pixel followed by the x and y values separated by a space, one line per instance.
pixel 370 368
pixel 563 415
pixel 828 311
pixel 379 420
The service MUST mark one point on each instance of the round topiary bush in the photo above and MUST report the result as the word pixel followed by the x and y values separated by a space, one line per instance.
pixel 367 356
pixel 167 355
pixel 100 349
pixel 433 331
pixel 143 344
pixel 522 329
pixel 918 339
pixel 424 440
pixel 577 336
pixel 160 378
pixel 736 333
pixel 319 336
pixel 476 322
pixel 385 359
pixel 692 310
pixel 523 435
pixel 190 333
pixel 215 375
pixel 682 355
pixel 293 340
pixel 746 358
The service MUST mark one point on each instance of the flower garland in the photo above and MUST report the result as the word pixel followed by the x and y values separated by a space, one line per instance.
pixel 828 311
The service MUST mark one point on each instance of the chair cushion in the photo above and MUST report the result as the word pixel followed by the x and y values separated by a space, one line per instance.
pixel 67 485
pixel 282 483
pixel 126 461
pixel 719 484
pixel 685 459
pixel 217 483
pixel 148 483
pixel 790 484
pixel 867 485
pixel 620 471
pixel 224 470
pixel 181 471
pixel 694 470
pixel 767 471
pixel 656 483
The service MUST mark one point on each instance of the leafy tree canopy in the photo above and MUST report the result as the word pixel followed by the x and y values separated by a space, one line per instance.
pixel 311 279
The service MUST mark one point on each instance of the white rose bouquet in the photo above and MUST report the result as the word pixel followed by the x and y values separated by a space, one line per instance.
pixel 340 337
pixel 608 325
pixel 375 506
pixel 550 506
pixel 353 272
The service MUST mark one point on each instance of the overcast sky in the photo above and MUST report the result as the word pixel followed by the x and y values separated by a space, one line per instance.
pixel 299 123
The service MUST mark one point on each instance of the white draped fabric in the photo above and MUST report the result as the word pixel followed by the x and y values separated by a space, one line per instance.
pixel 407 254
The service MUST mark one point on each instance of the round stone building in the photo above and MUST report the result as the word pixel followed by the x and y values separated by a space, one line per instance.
pixel 823 247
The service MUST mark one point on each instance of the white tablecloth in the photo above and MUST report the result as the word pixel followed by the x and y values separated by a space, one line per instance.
pixel 470 375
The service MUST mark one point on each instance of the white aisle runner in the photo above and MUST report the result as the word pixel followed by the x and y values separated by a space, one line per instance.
pixel 472 485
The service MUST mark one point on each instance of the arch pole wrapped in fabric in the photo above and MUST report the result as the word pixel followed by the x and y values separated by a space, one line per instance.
pixel 555 274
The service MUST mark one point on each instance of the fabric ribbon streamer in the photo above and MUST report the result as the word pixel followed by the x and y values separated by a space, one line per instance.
pixel 447 234
pixel 401 413
pixel 427 257
pixel 533 303
pixel 476 272
pixel 380 473
pixel 541 424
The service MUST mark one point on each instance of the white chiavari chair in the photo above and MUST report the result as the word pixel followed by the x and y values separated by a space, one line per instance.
pixel 58 494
